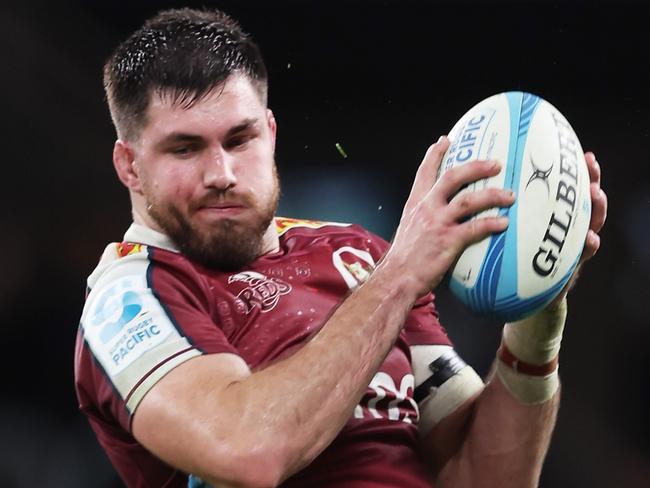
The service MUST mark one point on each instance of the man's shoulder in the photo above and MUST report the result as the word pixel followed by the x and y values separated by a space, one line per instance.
pixel 298 234
pixel 140 248
pixel 127 258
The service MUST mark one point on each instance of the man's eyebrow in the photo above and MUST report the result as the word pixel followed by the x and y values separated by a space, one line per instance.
pixel 174 137
pixel 244 125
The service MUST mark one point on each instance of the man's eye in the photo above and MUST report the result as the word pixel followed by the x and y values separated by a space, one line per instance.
pixel 238 141
pixel 182 150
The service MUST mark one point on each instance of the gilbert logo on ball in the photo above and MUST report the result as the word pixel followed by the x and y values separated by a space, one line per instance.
pixel 515 273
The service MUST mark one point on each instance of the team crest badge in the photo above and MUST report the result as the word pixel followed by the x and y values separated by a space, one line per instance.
pixel 259 291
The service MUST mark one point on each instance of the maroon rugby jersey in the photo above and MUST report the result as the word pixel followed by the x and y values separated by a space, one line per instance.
pixel 149 309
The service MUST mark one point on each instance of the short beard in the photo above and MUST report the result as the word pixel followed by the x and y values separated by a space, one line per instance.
pixel 229 245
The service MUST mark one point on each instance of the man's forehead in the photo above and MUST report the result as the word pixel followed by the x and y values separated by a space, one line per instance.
pixel 169 102
pixel 228 104
pixel 236 88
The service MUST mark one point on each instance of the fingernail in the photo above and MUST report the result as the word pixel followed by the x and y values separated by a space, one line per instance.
pixel 440 139
pixel 502 221
pixel 496 165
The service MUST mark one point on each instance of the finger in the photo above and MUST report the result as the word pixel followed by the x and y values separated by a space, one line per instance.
pixel 478 229
pixel 598 207
pixel 593 167
pixel 473 202
pixel 458 176
pixel 425 177
pixel 592 244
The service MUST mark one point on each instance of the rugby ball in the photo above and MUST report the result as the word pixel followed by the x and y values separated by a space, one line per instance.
pixel 515 273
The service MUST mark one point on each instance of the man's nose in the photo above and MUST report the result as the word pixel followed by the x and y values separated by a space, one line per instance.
pixel 218 171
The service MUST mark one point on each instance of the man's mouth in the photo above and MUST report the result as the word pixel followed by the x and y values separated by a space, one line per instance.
pixel 221 210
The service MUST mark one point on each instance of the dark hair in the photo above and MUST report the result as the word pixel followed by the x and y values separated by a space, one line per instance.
pixel 183 54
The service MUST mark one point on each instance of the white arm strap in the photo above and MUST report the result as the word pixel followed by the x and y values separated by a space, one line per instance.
pixel 443 382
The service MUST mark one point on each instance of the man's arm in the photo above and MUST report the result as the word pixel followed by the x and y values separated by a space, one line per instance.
pixel 499 437
pixel 506 442
pixel 230 426
pixel 214 418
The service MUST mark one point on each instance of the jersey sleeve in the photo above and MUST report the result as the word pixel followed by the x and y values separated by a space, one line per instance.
pixel 422 324
pixel 142 318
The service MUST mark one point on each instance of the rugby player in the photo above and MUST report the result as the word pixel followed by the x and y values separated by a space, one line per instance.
pixel 221 345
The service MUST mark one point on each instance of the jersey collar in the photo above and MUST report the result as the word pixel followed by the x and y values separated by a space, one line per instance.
pixel 149 237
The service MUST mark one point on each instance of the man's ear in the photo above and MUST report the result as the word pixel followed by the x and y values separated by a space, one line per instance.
pixel 126 166
pixel 273 126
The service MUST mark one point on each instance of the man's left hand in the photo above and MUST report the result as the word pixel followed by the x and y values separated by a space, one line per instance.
pixel 598 217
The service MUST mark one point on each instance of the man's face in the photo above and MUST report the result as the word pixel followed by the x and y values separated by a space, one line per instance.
pixel 207 173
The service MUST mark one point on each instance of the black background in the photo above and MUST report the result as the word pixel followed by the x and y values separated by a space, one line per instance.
pixel 383 79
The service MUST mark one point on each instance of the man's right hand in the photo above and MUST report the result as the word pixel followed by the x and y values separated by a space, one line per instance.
pixel 433 230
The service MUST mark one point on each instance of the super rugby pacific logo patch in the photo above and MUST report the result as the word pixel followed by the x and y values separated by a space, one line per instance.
pixel 115 308
pixel 260 291
pixel 123 321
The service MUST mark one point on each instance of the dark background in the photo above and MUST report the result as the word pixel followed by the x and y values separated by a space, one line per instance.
pixel 384 79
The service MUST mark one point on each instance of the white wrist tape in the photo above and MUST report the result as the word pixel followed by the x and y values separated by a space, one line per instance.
pixel 536 339
pixel 527 359
pixel 529 390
